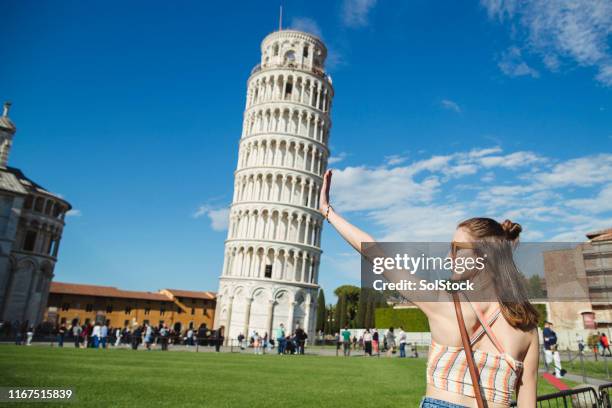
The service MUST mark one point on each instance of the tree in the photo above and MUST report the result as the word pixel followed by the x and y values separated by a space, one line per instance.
pixel 351 296
pixel 343 317
pixel 362 308
pixel 337 315
pixel 321 312
pixel 368 321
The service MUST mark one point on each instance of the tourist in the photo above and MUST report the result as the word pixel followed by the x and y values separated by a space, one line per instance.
pixel 164 335
pixel 76 334
pixel 30 335
pixel 355 343
pixel 61 332
pixel 257 343
pixel 118 335
pixel 502 326
pixel 367 342
pixel 550 341
pixel 103 335
pixel 280 338
pixel 300 337
pixel 240 339
pixel 218 338
pixel 95 335
pixel 346 341
pixel 402 342
pixel 189 339
pixel 149 336
pixel 390 341
pixel 136 334
pixel 580 342
pixel 338 341
pixel 605 345
pixel 375 344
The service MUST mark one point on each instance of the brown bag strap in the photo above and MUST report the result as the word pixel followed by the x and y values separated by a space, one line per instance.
pixel 469 354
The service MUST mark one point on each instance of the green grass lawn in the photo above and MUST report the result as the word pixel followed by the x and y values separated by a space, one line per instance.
pixel 595 369
pixel 124 378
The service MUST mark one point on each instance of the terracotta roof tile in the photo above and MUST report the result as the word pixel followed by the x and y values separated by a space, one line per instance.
pixel 595 234
pixel 103 291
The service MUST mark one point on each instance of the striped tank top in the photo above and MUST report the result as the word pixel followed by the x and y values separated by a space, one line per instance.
pixel 447 367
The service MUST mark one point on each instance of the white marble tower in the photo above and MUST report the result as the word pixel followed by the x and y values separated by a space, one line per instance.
pixel 272 252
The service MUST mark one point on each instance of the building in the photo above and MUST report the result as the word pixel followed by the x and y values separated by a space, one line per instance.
pixel 272 251
pixel 31 225
pixel 579 286
pixel 179 309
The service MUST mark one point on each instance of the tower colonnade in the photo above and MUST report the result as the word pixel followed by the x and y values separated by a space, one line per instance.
pixel 272 251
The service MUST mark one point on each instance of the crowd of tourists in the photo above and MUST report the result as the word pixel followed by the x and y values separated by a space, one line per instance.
pixel 371 342
pixel 101 335
pixel 283 341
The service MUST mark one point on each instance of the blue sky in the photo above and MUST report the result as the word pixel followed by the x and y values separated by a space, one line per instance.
pixel 443 110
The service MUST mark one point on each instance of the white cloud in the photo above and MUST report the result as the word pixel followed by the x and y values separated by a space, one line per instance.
pixel 450 105
pixel 395 159
pixel 561 30
pixel 219 217
pixel 598 204
pixel 355 12
pixel 307 25
pixel 337 158
pixel 512 64
pixel 74 213
pixel 420 200
pixel 582 171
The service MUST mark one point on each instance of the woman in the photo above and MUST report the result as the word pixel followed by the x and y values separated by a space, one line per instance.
pixel 503 333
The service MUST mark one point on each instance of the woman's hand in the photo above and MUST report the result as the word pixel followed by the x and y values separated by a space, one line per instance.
pixel 324 195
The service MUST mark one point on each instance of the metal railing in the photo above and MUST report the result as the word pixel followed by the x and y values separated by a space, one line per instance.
pixel 585 397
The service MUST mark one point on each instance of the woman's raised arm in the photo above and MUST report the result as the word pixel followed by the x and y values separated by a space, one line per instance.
pixel 351 234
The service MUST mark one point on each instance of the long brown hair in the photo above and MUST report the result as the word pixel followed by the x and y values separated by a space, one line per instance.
pixel 518 311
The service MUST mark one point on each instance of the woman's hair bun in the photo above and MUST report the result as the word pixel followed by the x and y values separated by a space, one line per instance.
pixel 511 229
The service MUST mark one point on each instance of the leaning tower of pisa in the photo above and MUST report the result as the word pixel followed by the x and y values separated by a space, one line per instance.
pixel 272 252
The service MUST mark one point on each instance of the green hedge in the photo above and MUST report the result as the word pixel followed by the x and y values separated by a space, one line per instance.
pixel 412 320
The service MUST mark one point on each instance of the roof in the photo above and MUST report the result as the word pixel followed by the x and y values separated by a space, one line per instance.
pixel 192 294
pixel 601 235
pixel 13 179
pixel 62 288
pixel 10 182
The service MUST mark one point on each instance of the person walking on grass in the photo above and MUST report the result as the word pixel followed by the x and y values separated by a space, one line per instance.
pixel 390 341
pixel 375 342
pixel 76 334
pixel 280 338
pixel 550 341
pixel 103 335
pixel 367 342
pixel 117 337
pixel 346 341
pixel 30 335
pixel 257 343
pixel 402 343
pixel 164 334
pixel 501 328
pixel 95 335
pixel 148 336
pixel 61 332
pixel 605 345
